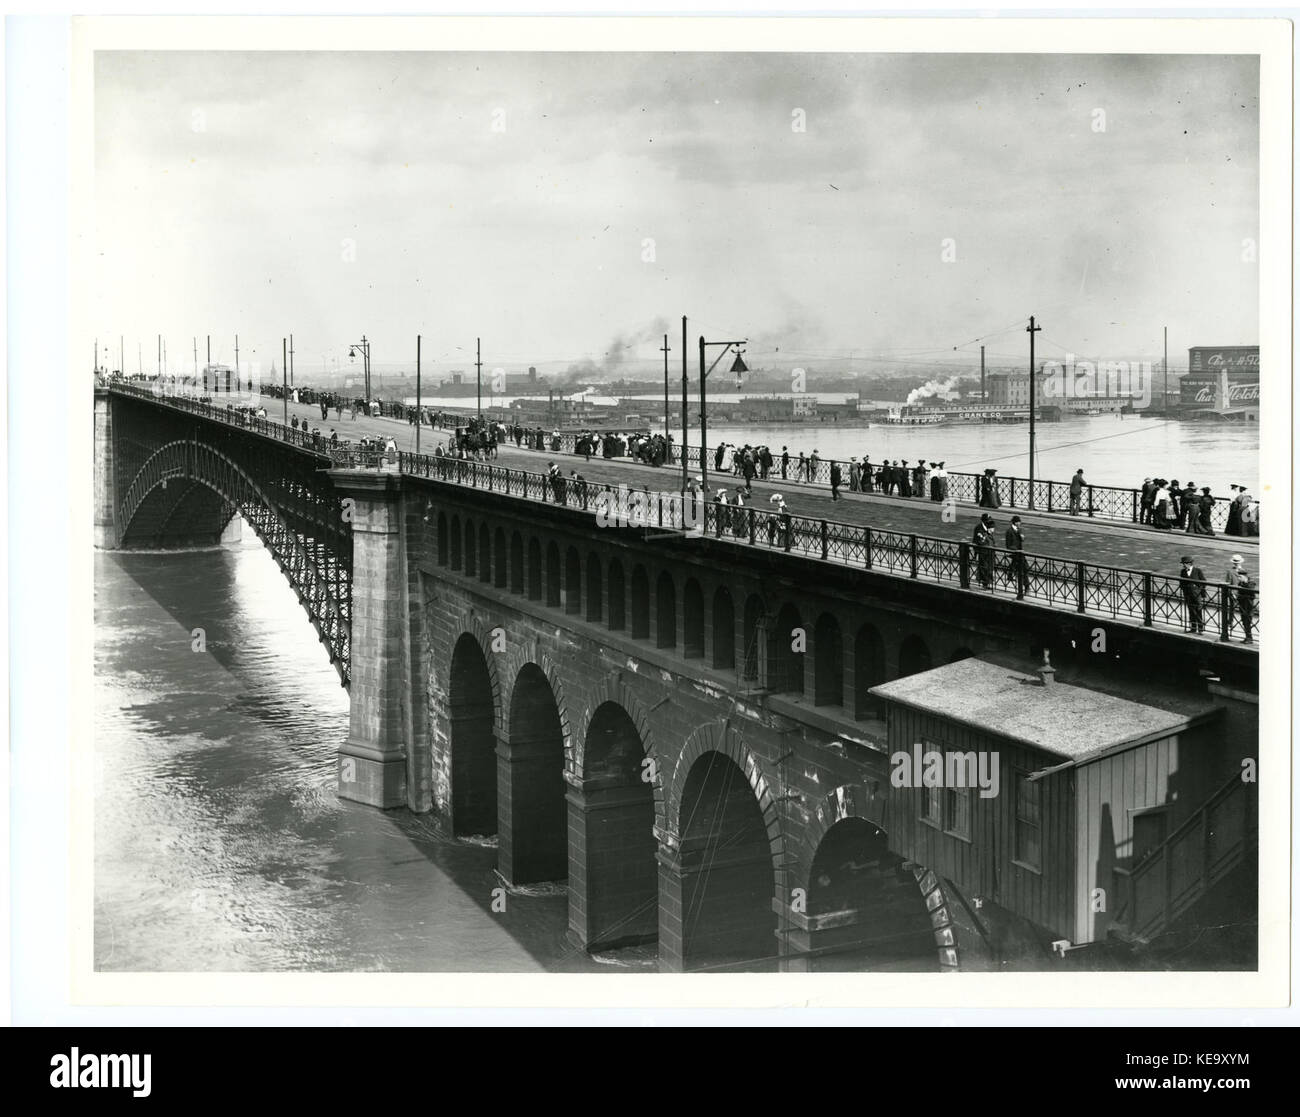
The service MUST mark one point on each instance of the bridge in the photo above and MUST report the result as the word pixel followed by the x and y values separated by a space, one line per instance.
pixel 688 718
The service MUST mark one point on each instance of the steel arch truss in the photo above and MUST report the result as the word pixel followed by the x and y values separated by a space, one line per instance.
pixel 291 517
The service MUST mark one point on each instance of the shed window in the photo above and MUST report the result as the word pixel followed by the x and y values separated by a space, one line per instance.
pixel 931 805
pixel 1029 821
pixel 957 810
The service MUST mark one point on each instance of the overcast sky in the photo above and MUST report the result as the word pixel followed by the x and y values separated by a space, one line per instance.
pixel 513 196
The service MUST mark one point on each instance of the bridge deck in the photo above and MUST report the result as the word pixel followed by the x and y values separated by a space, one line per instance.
pixel 1116 571
pixel 1060 535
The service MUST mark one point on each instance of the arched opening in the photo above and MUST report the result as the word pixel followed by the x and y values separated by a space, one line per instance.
pixel 693 619
pixel 516 563
pixel 572 581
pixel 913 657
pixel 471 549
pixel 484 553
pixel 726 871
pixel 789 639
pixel 530 781
pixel 614 884
pixel 617 597
pixel 443 554
pixel 501 558
pixel 454 537
pixel 554 577
pixel 828 662
pixel 959 654
pixel 868 670
pixel 534 570
pixel 665 611
pixel 880 919
pixel 473 744
pixel 754 634
pixel 594 588
pixel 724 630
pixel 640 603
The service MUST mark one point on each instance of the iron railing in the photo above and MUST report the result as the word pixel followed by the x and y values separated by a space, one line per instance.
pixel 1153 600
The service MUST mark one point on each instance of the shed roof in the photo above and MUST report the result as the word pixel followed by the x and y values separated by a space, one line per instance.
pixel 1073 722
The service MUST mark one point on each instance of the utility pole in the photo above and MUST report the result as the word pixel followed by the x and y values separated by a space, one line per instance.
pixel 1032 329
pixel 984 401
pixel 209 337
pixel 417 394
pixel 284 374
pixel 665 353
pixel 291 360
pixel 704 434
pixel 478 364
pixel 94 365
pixel 685 415
pixel 196 358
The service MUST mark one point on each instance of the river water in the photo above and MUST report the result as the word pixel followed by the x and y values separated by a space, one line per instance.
pixel 220 844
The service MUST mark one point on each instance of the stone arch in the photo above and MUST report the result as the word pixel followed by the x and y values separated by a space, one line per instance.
pixel 787 666
pixel 613 689
pixel 665 611
pixel 595 588
pixel 535 572
pixel 554 575
pixel 485 553
pixel 640 603
pixel 532 842
pixel 516 563
pixel 724 849
pixel 693 619
pixel 471 549
pixel 572 581
pixel 500 560
pixel 869 668
pixel 724 629
pixel 828 662
pixel 617 596
pixel 718 736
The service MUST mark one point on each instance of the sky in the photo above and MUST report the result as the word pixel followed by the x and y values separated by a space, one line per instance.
pixel 839 211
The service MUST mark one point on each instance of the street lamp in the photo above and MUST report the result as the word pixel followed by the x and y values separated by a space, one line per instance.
pixel 364 346
pixel 738 367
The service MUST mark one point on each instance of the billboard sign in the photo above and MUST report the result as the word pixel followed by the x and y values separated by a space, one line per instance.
pixel 1220 358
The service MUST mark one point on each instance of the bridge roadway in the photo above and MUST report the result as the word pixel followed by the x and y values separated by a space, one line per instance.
pixel 1106 543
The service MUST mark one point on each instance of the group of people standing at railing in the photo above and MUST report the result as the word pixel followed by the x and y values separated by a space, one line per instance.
pixel 1166 506
pixel 1238 596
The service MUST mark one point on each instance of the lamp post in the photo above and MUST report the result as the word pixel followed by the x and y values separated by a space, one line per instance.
pixel 364 346
pixel 738 367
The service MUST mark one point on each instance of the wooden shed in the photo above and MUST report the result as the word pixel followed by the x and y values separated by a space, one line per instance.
pixel 1038 795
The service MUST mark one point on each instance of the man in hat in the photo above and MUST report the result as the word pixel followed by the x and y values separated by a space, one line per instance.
pixel 904 480
pixel 1234 572
pixel 1191 581
pixel 1076 491
pixel 837 479
pixel 1148 500
pixel 983 540
pixel 1245 594
pixel 785 463
pixel 1015 543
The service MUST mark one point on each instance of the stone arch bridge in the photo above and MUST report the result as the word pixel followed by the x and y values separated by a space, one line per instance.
pixel 679 727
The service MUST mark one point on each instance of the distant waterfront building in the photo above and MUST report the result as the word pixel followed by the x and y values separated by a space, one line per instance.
pixel 1221 382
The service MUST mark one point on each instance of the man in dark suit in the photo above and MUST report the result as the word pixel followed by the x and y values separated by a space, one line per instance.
pixel 983 540
pixel 1015 543
pixel 837 479
pixel 1192 581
